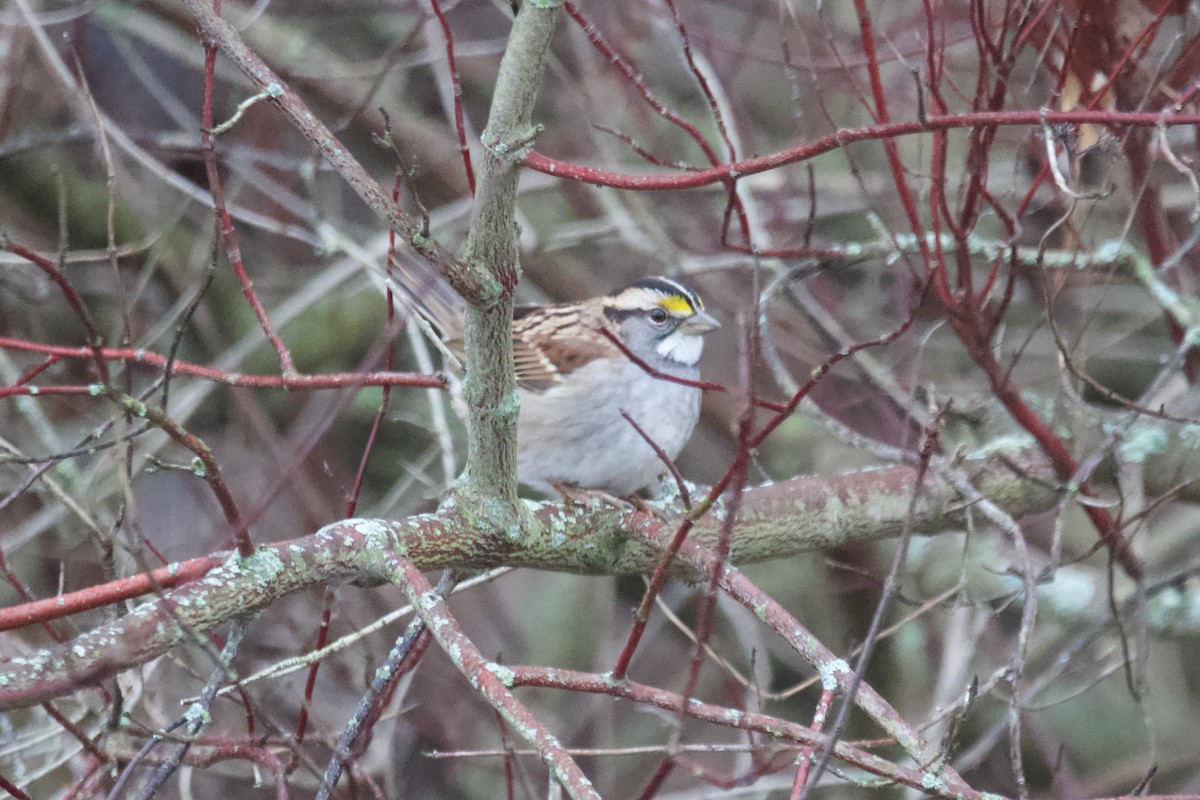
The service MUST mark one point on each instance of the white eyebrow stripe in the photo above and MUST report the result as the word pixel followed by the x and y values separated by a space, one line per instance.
pixel 684 291
pixel 650 292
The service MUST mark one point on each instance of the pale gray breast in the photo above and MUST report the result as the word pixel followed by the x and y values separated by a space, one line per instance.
pixel 580 436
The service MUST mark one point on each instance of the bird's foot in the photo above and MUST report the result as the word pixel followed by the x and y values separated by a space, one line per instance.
pixel 585 497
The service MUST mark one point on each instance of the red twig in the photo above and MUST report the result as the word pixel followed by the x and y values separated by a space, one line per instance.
pixel 207 468
pixel 34 371
pixel 25 592
pixel 1142 41
pixel 804 760
pixel 973 327
pixel 233 250
pixel 51 270
pixel 310 681
pixel 486 677
pixel 333 380
pixel 793 155
pixel 667 461
pixel 929 446
pixel 70 727
pixel 734 204
pixel 104 594
pixel 509 757
pixel 935 267
pixel 706 610
pixel 570 680
pixel 475 282
pixel 704 385
pixel 659 578
pixel 1060 457
pixel 352 501
pixel 631 75
pixel 459 127
pixel 12 789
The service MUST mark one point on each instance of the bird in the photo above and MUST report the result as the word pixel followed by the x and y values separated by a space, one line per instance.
pixel 574 382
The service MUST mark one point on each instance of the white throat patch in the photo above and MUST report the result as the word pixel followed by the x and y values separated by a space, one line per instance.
pixel 681 348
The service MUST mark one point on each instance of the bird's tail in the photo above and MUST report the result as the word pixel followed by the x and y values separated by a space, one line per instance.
pixel 427 294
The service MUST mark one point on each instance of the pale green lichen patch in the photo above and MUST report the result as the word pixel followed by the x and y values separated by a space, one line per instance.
pixel 506 675
pixel 829 673
pixel 427 600
pixel 299 562
pixel 135 407
pixel 932 782
pixel 732 716
pixel 1142 440
pixel 264 565
pixel 1189 435
pixel 196 716
pixel 376 533
pixel 510 406
pixel 1175 612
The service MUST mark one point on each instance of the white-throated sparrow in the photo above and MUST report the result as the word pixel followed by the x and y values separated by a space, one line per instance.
pixel 574 382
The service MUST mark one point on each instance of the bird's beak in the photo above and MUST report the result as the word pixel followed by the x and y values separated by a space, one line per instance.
pixel 699 323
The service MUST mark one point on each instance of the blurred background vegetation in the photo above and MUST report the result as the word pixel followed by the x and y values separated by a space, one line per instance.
pixel 1098 706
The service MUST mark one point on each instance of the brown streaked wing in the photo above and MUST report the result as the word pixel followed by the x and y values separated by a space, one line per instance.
pixel 554 340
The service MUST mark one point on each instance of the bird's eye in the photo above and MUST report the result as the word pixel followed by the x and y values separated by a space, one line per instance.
pixel 658 316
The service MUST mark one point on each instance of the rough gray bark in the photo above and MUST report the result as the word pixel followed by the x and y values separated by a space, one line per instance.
pixel 797 516
pixel 490 389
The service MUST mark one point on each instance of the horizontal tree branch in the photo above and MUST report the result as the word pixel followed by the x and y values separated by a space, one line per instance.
pixel 796 516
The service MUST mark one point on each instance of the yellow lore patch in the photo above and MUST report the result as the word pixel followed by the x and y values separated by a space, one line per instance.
pixel 677 304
